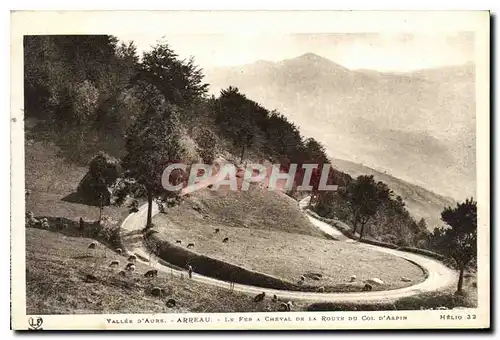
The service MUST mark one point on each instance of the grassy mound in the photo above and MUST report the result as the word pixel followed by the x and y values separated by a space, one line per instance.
pixel 56 269
pixel 256 208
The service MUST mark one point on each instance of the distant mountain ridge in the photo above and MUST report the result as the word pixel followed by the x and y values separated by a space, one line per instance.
pixel 419 126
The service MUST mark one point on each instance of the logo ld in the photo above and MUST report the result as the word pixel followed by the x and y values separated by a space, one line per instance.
pixel 35 323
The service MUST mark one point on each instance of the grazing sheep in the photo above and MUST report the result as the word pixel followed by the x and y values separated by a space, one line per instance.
pixel 259 297
pixel 217 230
pixel 170 303
pixel 321 289
pixel 119 251
pixel 130 267
pixel 275 298
pixel 151 273
pixel 178 241
pixel 114 263
pixel 91 278
pixel 225 240
pixel 301 281
pixel 156 291
pixel 190 245
pixel 132 258
pixel 353 278
pixel 368 287
pixel 122 273
pixel 32 222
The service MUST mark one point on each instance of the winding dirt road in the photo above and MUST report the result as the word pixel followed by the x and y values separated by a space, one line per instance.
pixel 439 276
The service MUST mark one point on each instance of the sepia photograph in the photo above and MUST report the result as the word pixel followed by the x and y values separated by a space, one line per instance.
pixel 327 172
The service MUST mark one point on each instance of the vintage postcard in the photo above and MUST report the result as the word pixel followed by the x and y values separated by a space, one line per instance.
pixel 250 170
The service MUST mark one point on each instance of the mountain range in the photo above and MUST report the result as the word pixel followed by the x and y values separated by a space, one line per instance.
pixel 416 126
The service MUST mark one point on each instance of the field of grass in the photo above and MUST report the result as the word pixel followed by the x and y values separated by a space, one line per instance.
pixel 288 256
pixel 256 208
pixel 57 265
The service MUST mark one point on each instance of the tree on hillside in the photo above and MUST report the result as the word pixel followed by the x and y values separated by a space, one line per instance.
pixel 97 184
pixel 180 81
pixel 152 142
pixel 459 241
pixel 422 224
pixel 283 137
pixel 365 196
pixel 236 116
pixel 314 152
pixel 207 143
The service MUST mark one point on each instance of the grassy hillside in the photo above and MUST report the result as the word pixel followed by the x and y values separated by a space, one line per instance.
pixel 57 263
pixel 52 181
pixel 56 269
pixel 421 203
pixel 256 208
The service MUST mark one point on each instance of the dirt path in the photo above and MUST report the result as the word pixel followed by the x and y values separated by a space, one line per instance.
pixel 439 276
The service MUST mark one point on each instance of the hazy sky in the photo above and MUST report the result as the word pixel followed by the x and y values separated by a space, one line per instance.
pixel 384 52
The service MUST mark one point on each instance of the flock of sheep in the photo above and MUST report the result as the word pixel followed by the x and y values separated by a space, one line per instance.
pixel 130 267
pixel 160 292
pixel 192 244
